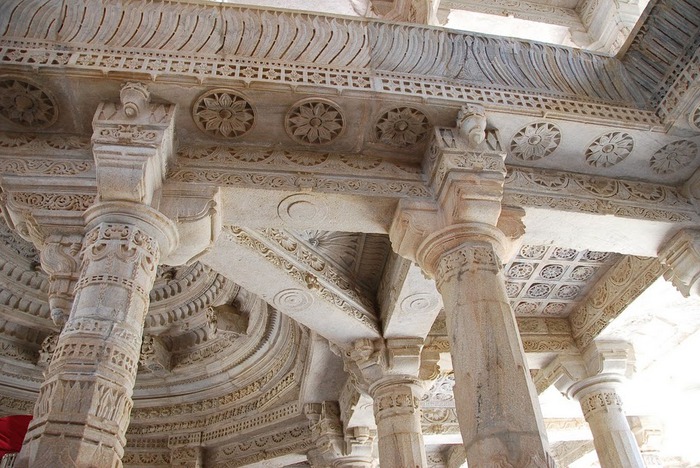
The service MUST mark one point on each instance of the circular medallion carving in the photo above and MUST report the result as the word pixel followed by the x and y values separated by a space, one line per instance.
pixel 673 157
pixel 535 141
pixel 554 308
pixel 314 121
pixel 402 127
pixel 568 291
pixel 525 308
pixel 302 208
pixel 520 270
pixel 594 256
pixel 552 272
pixel 292 300
pixel 532 251
pixel 223 113
pixel 419 303
pixel 564 254
pixel 539 290
pixel 512 289
pixel 25 104
pixel 582 273
pixel 609 149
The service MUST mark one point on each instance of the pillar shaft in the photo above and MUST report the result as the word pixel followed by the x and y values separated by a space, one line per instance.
pixel 83 409
pixel 613 439
pixel 397 414
pixel 496 402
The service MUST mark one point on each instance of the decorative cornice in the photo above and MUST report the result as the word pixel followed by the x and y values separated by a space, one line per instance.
pixel 348 54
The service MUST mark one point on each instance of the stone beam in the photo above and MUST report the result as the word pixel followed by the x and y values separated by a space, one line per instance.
pixel 265 264
pixel 408 301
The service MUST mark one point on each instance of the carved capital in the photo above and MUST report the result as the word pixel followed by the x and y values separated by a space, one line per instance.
pixel 682 256
pixel 132 144
pixel 471 123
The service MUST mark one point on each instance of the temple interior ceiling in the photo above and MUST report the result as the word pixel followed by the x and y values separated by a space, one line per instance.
pixel 307 153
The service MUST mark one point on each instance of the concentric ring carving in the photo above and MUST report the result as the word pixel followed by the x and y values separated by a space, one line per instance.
pixel 292 300
pixel 223 113
pixel 26 104
pixel 535 141
pixel 314 121
pixel 302 208
pixel 673 156
pixel 402 127
pixel 609 149
pixel 419 303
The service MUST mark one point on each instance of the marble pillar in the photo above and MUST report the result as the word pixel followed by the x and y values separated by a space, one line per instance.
pixel 397 413
pixel 496 402
pixel 601 405
pixel 388 372
pixel 82 413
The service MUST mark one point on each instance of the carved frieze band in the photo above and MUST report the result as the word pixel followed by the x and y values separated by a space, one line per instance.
pixel 612 294
pixel 599 401
pixel 581 193
pixel 467 257
pixel 348 54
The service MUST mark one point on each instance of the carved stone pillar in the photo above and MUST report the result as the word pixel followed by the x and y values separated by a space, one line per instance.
pixel 84 405
pixel 594 381
pixel 602 407
pixel 389 374
pixel 83 408
pixel 460 245
pixel 334 447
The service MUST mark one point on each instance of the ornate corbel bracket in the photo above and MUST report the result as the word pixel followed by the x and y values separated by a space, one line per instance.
pixel 682 256
pixel 197 214
pixel 373 362
pixel 154 356
pixel 132 144
pixel 60 258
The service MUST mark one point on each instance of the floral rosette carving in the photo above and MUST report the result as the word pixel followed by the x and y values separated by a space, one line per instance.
pixel 223 113
pixel 673 156
pixel 609 149
pixel 314 121
pixel 535 141
pixel 402 127
pixel 25 104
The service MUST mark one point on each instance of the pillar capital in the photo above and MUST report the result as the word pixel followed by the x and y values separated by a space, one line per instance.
pixel 682 257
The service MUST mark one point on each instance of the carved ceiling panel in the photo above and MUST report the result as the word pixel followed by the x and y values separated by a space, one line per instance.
pixel 549 281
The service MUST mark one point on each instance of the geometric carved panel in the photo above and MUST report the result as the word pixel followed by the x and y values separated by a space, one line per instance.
pixel 548 280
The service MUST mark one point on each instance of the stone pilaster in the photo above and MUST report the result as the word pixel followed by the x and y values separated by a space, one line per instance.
pixel 335 447
pixel 389 373
pixel 459 243
pixel 84 405
pixel 594 381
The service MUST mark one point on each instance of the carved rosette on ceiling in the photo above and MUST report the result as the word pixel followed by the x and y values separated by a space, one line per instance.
pixel 223 113
pixel 609 149
pixel 535 141
pixel 402 127
pixel 673 156
pixel 314 121
pixel 26 104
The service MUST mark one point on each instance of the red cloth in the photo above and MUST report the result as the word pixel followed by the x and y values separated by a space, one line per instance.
pixel 12 431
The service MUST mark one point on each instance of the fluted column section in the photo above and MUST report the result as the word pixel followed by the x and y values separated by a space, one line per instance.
pixel 601 404
pixel 497 407
pixel 82 413
pixel 397 414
